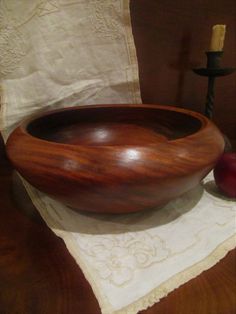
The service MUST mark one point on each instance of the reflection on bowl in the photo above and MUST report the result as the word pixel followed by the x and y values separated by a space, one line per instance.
pixel 115 158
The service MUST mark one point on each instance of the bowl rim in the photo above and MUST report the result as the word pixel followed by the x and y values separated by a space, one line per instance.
pixel 25 122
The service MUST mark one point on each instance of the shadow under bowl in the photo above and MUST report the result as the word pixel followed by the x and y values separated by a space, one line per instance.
pixel 115 158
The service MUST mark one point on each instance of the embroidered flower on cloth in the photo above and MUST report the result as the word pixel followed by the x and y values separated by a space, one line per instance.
pixel 12 49
pixel 116 258
pixel 104 18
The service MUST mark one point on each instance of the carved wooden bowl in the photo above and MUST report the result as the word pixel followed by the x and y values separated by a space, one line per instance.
pixel 115 158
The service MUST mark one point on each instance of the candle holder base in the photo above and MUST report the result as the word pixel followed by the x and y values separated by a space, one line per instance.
pixel 214 72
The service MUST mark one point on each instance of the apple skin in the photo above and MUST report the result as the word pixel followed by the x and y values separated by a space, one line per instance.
pixel 225 174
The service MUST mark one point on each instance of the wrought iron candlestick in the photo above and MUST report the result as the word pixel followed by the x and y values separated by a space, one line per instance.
pixel 212 71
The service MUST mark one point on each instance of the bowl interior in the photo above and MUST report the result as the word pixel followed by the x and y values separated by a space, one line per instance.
pixel 113 126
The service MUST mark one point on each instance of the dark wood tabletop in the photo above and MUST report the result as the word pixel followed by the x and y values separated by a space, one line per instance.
pixel 38 275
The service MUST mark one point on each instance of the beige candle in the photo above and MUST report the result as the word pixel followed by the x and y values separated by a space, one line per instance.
pixel 218 37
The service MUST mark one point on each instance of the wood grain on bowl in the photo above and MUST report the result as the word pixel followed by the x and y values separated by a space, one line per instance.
pixel 115 158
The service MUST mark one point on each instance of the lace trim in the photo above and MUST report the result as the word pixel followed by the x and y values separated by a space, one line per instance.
pixel 131 51
pixel 2 110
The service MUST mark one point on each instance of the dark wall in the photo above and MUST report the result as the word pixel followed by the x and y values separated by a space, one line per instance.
pixel 171 38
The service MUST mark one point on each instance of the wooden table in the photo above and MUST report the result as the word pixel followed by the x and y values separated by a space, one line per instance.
pixel 38 275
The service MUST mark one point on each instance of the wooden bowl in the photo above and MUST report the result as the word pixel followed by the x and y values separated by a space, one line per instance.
pixel 115 158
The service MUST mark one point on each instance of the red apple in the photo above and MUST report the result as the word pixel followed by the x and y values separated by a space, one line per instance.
pixel 225 174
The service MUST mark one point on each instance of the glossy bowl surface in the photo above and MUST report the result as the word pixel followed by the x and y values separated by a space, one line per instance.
pixel 115 158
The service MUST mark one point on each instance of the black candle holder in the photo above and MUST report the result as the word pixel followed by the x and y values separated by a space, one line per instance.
pixel 212 71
